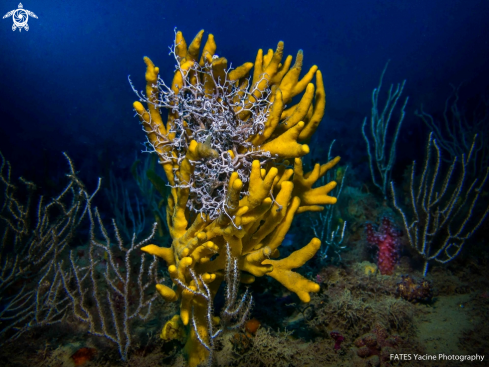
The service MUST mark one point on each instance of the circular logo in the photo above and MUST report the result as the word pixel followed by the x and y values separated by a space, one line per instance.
pixel 20 18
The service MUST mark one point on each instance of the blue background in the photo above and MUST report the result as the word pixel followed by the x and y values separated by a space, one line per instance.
pixel 64 82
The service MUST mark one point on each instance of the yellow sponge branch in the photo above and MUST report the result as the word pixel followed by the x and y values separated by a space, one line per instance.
pixel 282 271
pixel 167 293
pixel 285 145
pixel 318 113
pixel 165 253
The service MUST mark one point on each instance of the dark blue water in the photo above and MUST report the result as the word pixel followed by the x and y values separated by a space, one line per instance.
pixel 64 82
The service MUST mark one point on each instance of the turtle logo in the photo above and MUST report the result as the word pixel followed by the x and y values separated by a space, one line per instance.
pixel 20 17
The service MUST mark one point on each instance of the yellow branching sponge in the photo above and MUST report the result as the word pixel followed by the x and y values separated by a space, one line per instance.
pixel 226 149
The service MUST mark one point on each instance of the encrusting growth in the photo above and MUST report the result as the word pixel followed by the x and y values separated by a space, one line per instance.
pixel 226 149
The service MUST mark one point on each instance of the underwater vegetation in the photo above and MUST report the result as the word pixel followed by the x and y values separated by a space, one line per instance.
pixel 256 254
pixel 225 149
